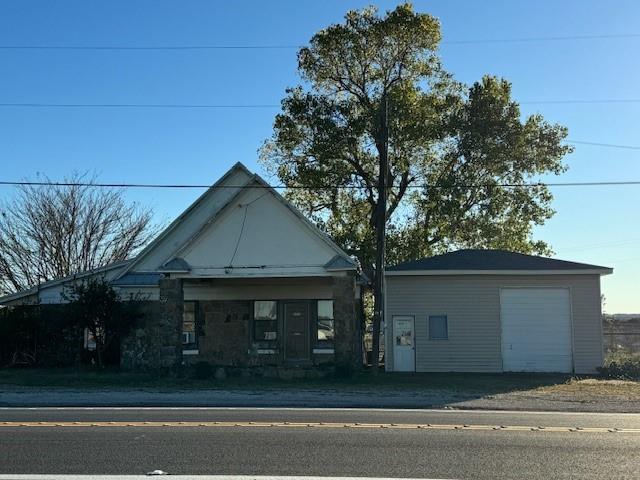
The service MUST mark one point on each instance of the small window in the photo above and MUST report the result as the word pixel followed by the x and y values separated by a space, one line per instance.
pixel 265 320
pixel 189 324
pixel 438 328
pixel 326 328
pixel 89 340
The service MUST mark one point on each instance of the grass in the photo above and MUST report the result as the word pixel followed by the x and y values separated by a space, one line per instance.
pixel 461 385
pixel 114 379
pixel 593 387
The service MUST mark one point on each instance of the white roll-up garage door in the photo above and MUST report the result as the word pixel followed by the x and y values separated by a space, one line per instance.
pixel 536 329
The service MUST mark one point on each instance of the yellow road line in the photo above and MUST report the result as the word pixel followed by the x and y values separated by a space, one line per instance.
pixel 392 426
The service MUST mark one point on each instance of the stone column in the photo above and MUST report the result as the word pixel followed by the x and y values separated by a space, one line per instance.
pixel 170 322
pixel 346 320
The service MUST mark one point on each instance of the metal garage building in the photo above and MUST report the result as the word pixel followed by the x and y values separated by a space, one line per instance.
pixel 493 311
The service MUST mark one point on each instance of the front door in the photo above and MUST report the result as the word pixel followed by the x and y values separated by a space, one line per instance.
pixel 404 350
pixel 296 329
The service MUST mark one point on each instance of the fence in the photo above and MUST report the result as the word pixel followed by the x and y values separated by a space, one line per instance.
pixel 621 337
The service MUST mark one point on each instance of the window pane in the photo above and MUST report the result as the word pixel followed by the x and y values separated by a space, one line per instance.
pixel 438 327
pixel 189 323
pixel 265 310
pixel 189 307
pixel 326 330
pixel 325 309
pixel 265 330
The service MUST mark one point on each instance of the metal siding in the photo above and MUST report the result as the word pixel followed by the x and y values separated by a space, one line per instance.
pixel 536 329
pixel 472 305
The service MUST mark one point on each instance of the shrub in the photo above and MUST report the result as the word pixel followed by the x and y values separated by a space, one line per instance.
pixel 621 366
pixel 202 370
pixel 344 370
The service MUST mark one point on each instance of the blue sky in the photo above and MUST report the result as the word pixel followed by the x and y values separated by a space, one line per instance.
pixel 596 225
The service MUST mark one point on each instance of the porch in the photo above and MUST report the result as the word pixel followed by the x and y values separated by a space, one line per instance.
pixel 298 322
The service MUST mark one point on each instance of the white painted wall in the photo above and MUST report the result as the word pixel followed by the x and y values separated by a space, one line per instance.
pixel 53 294
pixel 187 226
pixel 260 231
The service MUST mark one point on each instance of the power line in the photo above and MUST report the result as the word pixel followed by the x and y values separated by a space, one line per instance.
pixel 136 105
pixel 266 105
pixel 319 187
pixel 248 106
pixel 593 246
pixel 608 145
pixel 609 36
pixel 578 101
pixel 290 47
pixel 149 47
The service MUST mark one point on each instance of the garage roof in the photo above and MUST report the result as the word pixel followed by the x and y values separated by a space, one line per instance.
pixel 479 261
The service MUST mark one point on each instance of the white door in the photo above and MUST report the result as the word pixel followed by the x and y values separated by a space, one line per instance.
pixel 404 350
pixel 536 329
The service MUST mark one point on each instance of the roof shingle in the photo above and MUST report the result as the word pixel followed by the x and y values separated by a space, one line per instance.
pixel 478 259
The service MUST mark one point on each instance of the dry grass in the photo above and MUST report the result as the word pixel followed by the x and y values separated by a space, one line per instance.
pixel 592 387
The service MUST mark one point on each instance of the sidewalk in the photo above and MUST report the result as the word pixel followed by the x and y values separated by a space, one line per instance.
pixel 532 400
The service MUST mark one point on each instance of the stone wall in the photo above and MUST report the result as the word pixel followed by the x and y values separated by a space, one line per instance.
pixel 347 324
pixel 223 328
pixel 156 340
pixel 224 332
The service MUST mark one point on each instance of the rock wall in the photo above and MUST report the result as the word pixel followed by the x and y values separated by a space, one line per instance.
pixel 347 322
pixel 156 341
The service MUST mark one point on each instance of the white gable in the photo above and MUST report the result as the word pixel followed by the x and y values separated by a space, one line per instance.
pixel 258 234
pixel 191 221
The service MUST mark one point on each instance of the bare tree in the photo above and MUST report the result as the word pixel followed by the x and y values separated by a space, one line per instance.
pixel 51 231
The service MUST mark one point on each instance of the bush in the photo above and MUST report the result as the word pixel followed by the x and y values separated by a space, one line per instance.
pixel 622 367
pixel 344 370
pixel 38 335
pixel 202 370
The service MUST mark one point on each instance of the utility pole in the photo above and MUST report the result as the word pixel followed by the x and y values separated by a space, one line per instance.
pixel 381 224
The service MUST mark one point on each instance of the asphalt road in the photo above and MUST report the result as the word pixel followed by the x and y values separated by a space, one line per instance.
pixel 392 447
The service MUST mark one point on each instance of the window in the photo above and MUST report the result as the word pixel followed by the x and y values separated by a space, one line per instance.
pixel 265 320
pixel 326 330
pixel 189 324
pixel 89 340
pixel 438 328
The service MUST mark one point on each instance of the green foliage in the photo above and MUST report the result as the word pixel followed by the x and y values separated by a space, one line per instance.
pixel 38 335
pixel 452 148
pixel 94 305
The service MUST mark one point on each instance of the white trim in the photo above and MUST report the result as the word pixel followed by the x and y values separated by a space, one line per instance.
pixel 190 352
pixel 324 350
pixel 261 183
pixel 594 271
pixel 237 166
pixel 192 276
pixel 393 343
pixel 265 351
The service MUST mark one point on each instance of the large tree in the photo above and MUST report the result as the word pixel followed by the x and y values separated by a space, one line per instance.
pixel 457 154
pixel 51 231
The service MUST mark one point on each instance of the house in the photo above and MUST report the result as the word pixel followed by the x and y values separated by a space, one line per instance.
pixel 493 311
pixel 240 279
